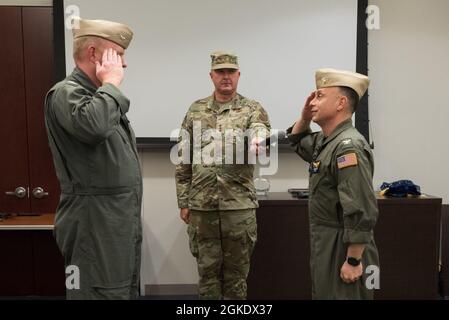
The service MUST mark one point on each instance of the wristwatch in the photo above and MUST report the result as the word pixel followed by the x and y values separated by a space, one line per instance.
pixel 353 261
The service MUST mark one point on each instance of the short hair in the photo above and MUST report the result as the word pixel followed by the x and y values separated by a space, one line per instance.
pixel 82 43
pixel 353 97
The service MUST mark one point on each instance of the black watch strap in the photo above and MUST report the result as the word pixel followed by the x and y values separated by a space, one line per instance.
pixel 353 261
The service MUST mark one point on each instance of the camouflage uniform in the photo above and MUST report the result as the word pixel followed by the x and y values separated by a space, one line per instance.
pixel 221 197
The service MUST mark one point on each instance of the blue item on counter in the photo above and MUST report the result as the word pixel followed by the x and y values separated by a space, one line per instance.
pixel 400 189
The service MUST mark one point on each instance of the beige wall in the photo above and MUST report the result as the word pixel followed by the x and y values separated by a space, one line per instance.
pixel 40 3
pixel 409 68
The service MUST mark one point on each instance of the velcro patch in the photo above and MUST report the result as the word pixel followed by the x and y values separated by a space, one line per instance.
pixel 348 160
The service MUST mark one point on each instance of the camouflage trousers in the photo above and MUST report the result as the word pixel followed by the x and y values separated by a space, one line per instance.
pixel 222 242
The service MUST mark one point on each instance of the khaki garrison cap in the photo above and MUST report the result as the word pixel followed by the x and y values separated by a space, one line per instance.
pixel 224 60
pixel 339 78
pixel 116 32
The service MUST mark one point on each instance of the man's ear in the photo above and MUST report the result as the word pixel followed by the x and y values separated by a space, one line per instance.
pixel 91 53
pixel 343 102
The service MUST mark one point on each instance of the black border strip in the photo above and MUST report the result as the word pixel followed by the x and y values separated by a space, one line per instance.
pixel 59 40
pixel 361 116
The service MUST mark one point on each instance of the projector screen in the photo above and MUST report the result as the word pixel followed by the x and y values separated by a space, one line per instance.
pixel 280 44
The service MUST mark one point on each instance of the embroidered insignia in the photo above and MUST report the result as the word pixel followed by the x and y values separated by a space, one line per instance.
pixel 314 167
pixel 348 160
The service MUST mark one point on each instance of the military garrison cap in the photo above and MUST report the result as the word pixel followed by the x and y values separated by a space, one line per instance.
pixel 340 78
pixel 224 60
pixel 116 32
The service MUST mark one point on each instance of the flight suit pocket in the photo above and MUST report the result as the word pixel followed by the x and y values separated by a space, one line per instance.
pixel 320 176
pixel 314 181
pixel 114 221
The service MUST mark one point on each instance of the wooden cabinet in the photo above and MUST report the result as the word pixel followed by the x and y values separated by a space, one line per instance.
pixel 445 250
pixel 31 264
pixel 27 74
pixel 280 264
pixel 407 235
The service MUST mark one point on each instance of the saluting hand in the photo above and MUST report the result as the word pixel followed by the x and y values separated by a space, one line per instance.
pixel 303 123
pixel 306 114
pixel 110 70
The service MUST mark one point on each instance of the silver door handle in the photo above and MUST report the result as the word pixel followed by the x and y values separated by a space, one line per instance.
pixel 20 192
pixel 39 193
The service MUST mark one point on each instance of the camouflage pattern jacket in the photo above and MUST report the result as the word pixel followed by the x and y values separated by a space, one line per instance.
pixel 226 183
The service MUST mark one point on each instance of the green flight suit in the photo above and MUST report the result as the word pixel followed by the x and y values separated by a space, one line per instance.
pixel 342 207
pixel 98 221
pixel 221 195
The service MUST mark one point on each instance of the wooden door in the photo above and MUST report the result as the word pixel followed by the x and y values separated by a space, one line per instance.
pixel 13 121
pixel 38 60
pixel 27 75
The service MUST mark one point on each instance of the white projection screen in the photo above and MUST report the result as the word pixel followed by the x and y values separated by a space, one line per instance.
pixel 280 44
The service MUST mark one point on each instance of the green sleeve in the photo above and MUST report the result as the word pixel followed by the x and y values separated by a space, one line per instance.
pixel 183 172
pixel 303 143
pixel 90 119
pixel 356 194
pixel 259 122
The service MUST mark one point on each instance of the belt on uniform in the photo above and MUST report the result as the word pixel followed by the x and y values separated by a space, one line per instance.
pixel 332 224
pixel 78 190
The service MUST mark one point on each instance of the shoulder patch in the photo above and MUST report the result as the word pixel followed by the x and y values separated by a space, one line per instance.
pixel 346 142
pixel 348 160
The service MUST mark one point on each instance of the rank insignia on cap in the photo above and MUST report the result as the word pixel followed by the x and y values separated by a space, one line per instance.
pixel 116 32
pixel 340 78
pixel 348 160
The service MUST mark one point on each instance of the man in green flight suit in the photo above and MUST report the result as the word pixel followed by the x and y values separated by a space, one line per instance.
pixel 217 198
pixel 98 223
pixel 342 203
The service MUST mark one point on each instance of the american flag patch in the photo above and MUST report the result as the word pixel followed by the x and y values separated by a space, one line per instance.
pixel 348 160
